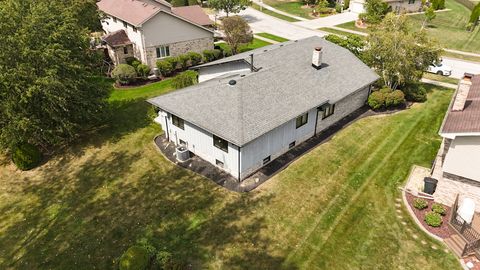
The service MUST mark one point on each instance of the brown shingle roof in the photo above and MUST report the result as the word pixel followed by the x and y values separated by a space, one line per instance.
pixel 194 14
pixel 134 12
pixel 467 120
pixel 117 38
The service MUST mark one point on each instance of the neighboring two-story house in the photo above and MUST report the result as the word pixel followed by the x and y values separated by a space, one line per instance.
pixel 457 166
pixel 250 108
pixel 151 29
pixel 397 6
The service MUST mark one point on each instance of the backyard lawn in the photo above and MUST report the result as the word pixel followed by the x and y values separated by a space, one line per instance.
pixel 255 44
pixel 274 14
pixel 272 37
pixel 296 8
pixel 334 208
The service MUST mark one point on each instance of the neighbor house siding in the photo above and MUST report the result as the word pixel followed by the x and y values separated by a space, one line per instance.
pixel 200 142
pixel 406 6
pixel 274 143
pixel 110 26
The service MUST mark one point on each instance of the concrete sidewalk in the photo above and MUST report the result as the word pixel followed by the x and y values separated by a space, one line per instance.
pixel 447 85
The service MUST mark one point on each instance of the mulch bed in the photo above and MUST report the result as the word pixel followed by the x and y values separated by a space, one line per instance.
pixel 444 231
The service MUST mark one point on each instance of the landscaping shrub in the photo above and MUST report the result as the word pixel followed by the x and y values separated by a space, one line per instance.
pixel 415 92
pixel 475 14
pixel 124 74
pixel 394 98
pixel 192 2
pixel 438 208
pixel 420 204
pixel 184 61
pixel 164 67
pixel 433 219
pixel 135 63
pixel 26 156
pixel 135 258
pixel 165 261
pixel 195 58
pixel 376 100
pixel 173 60
pixel 209 55
pixel 185 79
pixel 143 70
pixel 130 60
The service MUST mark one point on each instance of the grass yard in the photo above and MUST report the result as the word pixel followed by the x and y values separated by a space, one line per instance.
pixel 334 208
pixel 336 31
pixel 255 44
pixel 292 7
pixel 439 78
pixel 272 37
pixel 449 28
pixel 274 14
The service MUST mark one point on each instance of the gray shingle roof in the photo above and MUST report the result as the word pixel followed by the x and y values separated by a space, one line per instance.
pixel 285 86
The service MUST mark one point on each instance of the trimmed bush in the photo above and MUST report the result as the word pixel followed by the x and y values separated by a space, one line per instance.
pixel 164 67
pixel 26 156
pixel 185 79
pixel 124 74
pixel 208 55
pixel 376 100
pixel 475 15
pixel 433 219
pixel 173 60
pixel 135 258
pixel 192 2
pixel 143 70
pixel 184 61
pixel 179 3
pixel 438 208
pixel 420 204
pixel 415 92
pixel 130 60
pixel 394 98
pixel 195 58
pixel 135 64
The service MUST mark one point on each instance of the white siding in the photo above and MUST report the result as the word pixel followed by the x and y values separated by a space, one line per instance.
pixel 165 29
pixel 200 142
pixel 208 73
pixel 274 143
pixel 110 26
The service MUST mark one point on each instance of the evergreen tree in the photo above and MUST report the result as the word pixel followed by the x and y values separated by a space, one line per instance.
pixel 47 94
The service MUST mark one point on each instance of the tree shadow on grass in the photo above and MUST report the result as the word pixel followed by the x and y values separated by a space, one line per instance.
pixel 87 219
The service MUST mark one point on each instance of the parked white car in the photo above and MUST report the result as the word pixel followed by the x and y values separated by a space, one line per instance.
pixel 440 69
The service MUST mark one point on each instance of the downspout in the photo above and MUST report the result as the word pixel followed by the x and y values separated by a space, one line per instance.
pixel 252 69
pixel 316 122
pixel 239 175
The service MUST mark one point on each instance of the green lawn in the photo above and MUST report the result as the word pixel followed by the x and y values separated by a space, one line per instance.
pixel 333 208
pixel 336 31
pixel 292 7
pixel 255 44
pixel 272 37
pixel 439 78
pixel 449 28
pixel 351 26
pixel 274 14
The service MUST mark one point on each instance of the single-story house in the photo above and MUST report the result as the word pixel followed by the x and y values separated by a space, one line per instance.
pixel 151 29
pixel 398 6
pixel 457 166
pixel 250 108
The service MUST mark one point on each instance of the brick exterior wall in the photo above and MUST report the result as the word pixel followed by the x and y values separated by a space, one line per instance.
pixel 118 56
pixel 178 48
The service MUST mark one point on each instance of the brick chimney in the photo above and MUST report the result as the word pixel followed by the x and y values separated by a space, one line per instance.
pixel 462 93
pixel 317 57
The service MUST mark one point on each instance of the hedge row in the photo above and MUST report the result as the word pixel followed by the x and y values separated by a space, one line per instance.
pixel 172 64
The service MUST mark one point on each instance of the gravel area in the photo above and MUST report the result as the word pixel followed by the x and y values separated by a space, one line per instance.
pixel 444 231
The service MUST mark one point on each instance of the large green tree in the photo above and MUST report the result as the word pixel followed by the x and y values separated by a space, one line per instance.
pixel 47 94
pixel 237 31
pixel 375 11
pixel 398 53
pixel 229 6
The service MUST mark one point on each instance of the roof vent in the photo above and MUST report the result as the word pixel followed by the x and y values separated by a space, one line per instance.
pixel 317 57
pixel 232 82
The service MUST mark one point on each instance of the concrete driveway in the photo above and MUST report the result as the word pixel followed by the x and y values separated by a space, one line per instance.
pixel 459 67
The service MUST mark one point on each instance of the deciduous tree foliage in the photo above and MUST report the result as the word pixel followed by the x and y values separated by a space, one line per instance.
pixel 237 31
pixel 375 11
pixel 398 54
pixel 47 94
pixel 229 6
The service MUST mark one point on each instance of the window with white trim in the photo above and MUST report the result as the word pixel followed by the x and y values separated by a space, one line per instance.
pixel 328 110
pixel 163 51
pixel 178 122
pixel 302 120
pixel 220 143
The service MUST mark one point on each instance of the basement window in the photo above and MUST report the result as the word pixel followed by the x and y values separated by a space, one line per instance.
pixel 302 120
pixel 266 160
pixel 220 143
pixel 163 51
pixel 219 163
pixel 328 110
pixel 291 145
pixel 178 122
